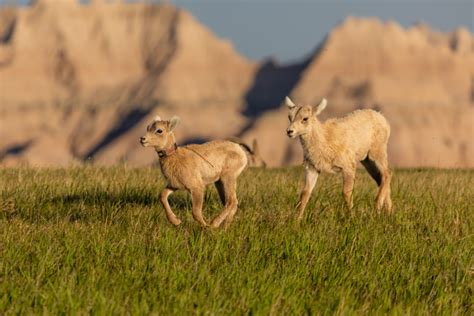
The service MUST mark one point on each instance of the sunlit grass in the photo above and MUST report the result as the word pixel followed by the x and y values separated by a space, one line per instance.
pixel 96 240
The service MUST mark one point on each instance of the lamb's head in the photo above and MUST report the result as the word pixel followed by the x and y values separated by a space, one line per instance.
pixel 159 133
pixel 302 117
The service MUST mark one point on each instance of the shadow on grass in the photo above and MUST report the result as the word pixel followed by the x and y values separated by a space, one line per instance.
pixel 178 200
pixel 97 205
pixel 101 198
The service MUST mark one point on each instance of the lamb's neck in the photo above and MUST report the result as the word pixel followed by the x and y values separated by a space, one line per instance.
pixel 168 163
pixel 315 140
pixel 168 150
pixel 317 151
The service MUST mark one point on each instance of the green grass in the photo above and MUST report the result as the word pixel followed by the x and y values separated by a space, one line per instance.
pixel 92 240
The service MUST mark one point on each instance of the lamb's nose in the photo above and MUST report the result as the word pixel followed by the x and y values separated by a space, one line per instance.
pixel 289 132
pixel 142 139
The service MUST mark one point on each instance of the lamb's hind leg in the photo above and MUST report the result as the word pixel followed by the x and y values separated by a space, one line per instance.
pixel 386 191
pixel 169 213
pixel 372 169
pixel 232 205
pixel 198 198
pixel 229 185
pixel 220 190
pixel 380 161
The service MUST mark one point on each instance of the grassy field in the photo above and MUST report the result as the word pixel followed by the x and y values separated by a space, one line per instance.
pixel 96 240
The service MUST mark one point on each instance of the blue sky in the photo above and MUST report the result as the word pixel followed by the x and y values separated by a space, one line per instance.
pixel 289 30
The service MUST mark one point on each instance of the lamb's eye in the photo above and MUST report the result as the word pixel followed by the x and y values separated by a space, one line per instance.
pixel 159 131
pixel 305 120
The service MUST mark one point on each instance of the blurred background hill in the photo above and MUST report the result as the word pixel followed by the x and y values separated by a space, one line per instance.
pixel 80 82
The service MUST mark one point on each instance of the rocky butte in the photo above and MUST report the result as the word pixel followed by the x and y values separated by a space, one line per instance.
pixel 80 82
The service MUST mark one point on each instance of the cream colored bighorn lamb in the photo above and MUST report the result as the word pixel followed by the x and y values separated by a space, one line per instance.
pixel 193 167
pixel 337 145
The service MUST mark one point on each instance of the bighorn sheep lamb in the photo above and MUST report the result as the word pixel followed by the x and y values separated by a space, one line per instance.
pixel 193 167
pixel 337 144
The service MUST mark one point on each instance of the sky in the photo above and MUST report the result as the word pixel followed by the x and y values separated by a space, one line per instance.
pixel 288 30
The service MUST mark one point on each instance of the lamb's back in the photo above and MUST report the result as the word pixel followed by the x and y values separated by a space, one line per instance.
pixel 356 133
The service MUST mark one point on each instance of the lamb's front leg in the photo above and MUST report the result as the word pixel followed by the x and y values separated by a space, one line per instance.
pixel 169 213
pixel 311 177
pixel 197 195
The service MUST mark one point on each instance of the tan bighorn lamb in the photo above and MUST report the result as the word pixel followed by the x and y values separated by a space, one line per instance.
pixel 337 145
pixel 192 167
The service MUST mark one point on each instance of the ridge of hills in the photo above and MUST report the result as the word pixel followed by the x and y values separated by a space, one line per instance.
pixel 80 83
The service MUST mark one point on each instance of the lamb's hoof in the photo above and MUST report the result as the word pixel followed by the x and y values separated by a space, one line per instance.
pixel 176 222
pixel 389 209
pixel 298 219
pixel 216 224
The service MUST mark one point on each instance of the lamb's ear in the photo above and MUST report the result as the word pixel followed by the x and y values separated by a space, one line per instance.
pixel 321 106
pixel 289 103
pixel 173 122
pixel 157 118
